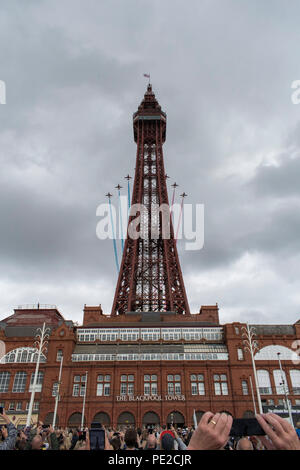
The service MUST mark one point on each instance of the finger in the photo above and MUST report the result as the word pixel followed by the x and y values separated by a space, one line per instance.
pixel 276 424
pixel 214 420
pixel 227 427
pixel 217 419
pixel 266 427
pixel 285 424
pixel 206 417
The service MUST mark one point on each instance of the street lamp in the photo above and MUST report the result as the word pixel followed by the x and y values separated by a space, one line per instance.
pixel 41 344
pixel 285 390
pixel 251 345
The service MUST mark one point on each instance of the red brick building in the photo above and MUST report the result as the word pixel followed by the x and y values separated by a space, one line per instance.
pixel 143 368
pixel 150 361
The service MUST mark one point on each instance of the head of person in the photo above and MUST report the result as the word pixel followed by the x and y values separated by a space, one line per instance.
pixel 244 444
pixel 3 432
pixel 37 442
pixel 151 441
pixel 167 440
pixel 116 443
pixel 130 438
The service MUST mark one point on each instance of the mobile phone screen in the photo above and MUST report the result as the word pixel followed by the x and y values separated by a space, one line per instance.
pixel 246 427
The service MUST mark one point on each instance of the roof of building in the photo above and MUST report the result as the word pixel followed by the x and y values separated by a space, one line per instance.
pixel 274 329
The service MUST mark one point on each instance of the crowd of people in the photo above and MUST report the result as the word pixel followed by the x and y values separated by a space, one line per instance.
pixel 212 433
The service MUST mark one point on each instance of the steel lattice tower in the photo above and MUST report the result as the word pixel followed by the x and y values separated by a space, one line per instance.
pixel 150 278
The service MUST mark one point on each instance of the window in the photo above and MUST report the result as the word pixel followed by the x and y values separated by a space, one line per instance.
pixel 197 384
pixel 55 389
pixel 103 385
pixel 245 387
pixel 220 382
pixel 22 355
pixel 20 382
pixel 39 382
pixel 174 384
pixel 19 406
pixel 4 381
pixel 270 402
pixel 295 380
pixel 264 382
pixel 240 354
pixel 127 385
pixel 36 406
pixel 59 355
pixel 237 331
pixel 280 382
pixel 270 353
pixel 11 406
pixel 79 385
pixel 150 384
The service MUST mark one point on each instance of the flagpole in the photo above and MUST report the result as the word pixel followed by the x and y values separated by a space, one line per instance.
pixel 252 392
pixel 57 392
pixel 84 397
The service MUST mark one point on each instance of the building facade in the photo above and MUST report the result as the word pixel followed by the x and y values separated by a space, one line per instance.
pixel 145 369
pixel 150 360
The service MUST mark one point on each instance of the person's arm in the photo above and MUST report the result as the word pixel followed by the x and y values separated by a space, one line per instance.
pixel 53 439
pixel 281 434
pixel 107 444
pixel 10 441
pixel 212 432
pixel 181 444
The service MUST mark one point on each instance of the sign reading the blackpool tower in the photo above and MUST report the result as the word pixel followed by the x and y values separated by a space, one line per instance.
pixel 150 398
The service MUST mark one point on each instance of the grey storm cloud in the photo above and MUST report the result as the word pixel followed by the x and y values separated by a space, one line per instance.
pixel 222 70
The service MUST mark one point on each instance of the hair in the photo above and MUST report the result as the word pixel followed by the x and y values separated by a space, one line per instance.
pixel 116 443
pixel 244 440
pixel 130 437
pixel 20 444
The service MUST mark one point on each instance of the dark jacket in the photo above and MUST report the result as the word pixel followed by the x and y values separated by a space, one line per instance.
pixel 10 441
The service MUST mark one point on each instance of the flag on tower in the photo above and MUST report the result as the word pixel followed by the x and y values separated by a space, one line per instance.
pixel 147 75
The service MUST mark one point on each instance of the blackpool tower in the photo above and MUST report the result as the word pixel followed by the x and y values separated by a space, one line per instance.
pixel 150 277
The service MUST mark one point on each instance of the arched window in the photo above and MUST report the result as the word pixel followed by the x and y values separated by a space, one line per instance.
pixel 24 355
pixel 176 418
pixel 280 382
pixel 126 418
pixel 295 379
pixel 102 418
pixel 264 382
pixel 74 420
pixel 270 353
pixel 151 418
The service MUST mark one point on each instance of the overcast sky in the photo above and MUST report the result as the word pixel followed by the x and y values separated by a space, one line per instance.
pixel 222 71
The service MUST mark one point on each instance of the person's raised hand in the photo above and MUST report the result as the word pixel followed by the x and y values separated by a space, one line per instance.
pixel 281 434
pixel 212 432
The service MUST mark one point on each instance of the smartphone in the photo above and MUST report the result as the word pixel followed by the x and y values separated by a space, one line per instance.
pixel 45 426
pixel 246 427
pixel 1 410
